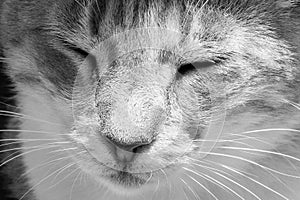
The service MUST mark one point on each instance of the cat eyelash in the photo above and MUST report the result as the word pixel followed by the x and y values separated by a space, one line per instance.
pixel 187 68
pixel 79 51
pixel 75 49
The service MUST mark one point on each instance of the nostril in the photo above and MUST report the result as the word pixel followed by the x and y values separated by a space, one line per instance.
pixel 133 146
pixel 141 148
pixel 128 147
pixel 127 151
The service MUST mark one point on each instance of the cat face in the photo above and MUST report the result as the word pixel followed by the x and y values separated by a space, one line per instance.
pixel 165 91
pixel 138 116
pixel 152 99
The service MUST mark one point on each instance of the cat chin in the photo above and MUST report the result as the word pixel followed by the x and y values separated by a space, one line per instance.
pixel 121 190
pixel 115 182
pixel 123 187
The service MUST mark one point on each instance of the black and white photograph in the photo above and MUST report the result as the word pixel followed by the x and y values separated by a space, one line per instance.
pixel 149 99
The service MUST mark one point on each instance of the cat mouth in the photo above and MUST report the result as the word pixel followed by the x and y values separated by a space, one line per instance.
pixel 127 179
pixel 130 180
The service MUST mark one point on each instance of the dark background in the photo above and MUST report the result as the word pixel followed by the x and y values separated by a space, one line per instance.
pixel 6 100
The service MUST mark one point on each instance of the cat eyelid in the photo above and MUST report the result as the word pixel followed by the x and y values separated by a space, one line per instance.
pixel 76 49
pixel 188 67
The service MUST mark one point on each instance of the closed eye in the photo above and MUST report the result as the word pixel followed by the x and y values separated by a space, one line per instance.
pixel 79 51
pixel 194 66
pixel 76 49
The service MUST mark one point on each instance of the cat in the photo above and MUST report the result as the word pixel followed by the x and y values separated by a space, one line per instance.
pixel 144 99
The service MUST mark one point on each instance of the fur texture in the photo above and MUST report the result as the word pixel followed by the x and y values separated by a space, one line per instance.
pixel 208 89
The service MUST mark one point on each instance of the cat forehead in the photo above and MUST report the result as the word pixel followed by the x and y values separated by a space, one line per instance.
pixel 85 23
pixel 103 19
pixel 149 28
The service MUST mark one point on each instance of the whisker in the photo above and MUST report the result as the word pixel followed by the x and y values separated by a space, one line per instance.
pixel 221 174
pixel 73 184
pixel 10 143
pixel 10 156
pixel 17 152
pixel 151 174
pixel 24 148
pixel 216 140
pixel 61 150
pixel 252 162
pixel 271 129
pixel 49 162
pixel 189 188
pixel 215 169
pixel 67 176
pixel 284 184
pixel 30 131
pixel 186 197
pixel 205 188
pixel 221 141
pixel 23 116
pixel 238 184
pixel 25 153
pixel 262 151
pixel 168 182
pixel 214 181
pixel 26 141
pixel 81 177
pixel 244 137
pixel 267 143
pixel 63 142
pixel 43 165
pixel 8 105
pixel 259 183
pixel 41 181
pixel 296 105
pixel 156 189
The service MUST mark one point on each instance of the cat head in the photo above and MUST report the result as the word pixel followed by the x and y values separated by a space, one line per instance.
pixel 149 89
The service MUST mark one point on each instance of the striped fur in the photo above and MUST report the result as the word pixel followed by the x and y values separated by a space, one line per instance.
pixel 86 70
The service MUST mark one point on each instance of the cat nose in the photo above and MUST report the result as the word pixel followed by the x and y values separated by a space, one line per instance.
pixel 130 147
pixel 126 152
